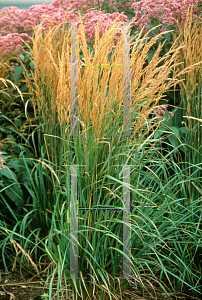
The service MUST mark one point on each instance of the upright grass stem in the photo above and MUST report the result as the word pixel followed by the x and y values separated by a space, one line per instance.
pixel 191 98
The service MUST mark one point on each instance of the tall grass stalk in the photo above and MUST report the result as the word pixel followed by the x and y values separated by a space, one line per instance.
pixel 191 99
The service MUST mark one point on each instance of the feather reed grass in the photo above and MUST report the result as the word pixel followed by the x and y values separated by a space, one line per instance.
pixel 190 35
pixel 50 88
pixel 153 234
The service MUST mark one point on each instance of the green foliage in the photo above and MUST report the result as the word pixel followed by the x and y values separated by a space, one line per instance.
pixel 105 6
pixel 44 296
pixel 17 78
pixel 171 131
pixel 11 177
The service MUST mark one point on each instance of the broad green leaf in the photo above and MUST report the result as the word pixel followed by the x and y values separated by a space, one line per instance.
pixel 17 73
pixel 173 140
pixel 17 122
pixel 25 178
pixel 31 64
pixel 183 130
pixel 22 56
pixel 14 163
pixel 157 134
pixel 23 88
pixel 175 130
pixel 15 193
pixel 8 173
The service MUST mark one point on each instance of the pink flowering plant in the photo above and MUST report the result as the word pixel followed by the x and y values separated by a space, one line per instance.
pixel 15 22
pixel 160 112
pixel 166 12
pixel 19 24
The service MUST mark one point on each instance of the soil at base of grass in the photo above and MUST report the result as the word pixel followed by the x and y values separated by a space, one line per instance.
pixel 32 288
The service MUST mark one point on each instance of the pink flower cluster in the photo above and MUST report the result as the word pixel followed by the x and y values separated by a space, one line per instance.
pixel 17 24
pixel 91 20
pixel 12 42
pixel 160 111
pixel 1 162
pixel 169 12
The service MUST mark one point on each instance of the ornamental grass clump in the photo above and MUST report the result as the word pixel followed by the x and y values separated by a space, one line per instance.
pixel 100 152
pixel 164 221
pixel 98 96
pixel 190 35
